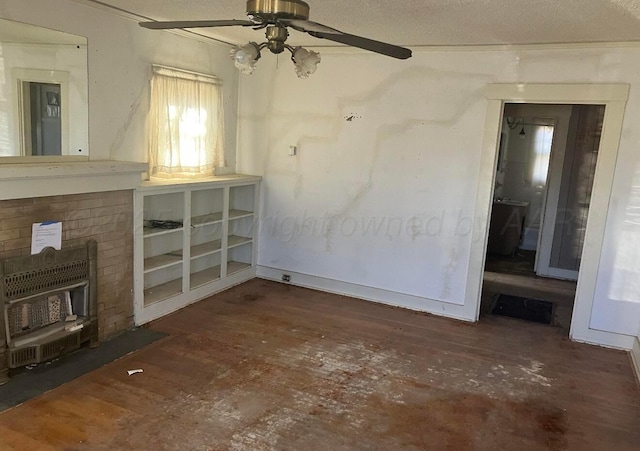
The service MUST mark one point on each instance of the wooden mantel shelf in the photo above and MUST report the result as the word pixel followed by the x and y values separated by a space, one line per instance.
pixel 26 180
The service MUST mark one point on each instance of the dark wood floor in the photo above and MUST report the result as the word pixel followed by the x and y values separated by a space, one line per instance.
pixel 269 366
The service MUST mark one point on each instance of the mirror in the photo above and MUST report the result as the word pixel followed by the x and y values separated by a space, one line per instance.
pixel 43 92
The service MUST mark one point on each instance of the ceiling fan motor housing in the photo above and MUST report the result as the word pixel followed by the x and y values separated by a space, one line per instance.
pixel 271 10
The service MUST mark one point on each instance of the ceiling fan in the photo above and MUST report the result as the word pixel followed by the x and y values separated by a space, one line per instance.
pixel 275 16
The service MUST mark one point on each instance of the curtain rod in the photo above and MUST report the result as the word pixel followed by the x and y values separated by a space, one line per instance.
pixel 185 73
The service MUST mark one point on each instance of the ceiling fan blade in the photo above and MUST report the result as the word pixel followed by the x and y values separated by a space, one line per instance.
pixel 196 24
pixel 307 26
pixel 383 48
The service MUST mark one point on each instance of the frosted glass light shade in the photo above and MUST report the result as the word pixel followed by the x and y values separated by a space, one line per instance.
pixel 245 57
pixel 305 61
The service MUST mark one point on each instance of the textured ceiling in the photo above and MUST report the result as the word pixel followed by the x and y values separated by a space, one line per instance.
pixel 425 22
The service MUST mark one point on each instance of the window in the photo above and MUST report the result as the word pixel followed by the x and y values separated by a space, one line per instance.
pixel 186 130
pixel 542 142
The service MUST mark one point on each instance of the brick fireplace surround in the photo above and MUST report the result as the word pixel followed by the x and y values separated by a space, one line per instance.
pixel 106 217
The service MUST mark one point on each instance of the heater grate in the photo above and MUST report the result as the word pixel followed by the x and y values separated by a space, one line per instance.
pixel 55 348
pixel 37 295
pixel 19 285
pixel 27 317
pixel 24 356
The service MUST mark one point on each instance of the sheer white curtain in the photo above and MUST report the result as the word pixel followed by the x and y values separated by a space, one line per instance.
pixel 186 128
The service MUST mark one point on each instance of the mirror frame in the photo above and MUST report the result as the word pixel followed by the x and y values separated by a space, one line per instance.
pixel 25 70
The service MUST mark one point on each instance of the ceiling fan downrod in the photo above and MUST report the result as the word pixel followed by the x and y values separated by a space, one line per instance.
pixel 276 37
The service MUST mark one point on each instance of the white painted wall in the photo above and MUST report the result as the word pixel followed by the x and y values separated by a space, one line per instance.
pixel 398 144
pixel 67 58
pixel 120 55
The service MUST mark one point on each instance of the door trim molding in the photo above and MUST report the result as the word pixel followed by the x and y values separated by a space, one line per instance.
pixel 614 97
pixel 569 93
pixel 635 356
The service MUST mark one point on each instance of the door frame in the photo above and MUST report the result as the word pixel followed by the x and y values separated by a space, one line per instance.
pixel 19 76
pixel 614 96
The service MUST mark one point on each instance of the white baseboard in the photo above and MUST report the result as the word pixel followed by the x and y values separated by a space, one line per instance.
pixel 368 293
pixel 635 357
pixel 604 339
pixel 591 336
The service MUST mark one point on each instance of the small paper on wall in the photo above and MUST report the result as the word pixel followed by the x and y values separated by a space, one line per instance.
pixel 46 234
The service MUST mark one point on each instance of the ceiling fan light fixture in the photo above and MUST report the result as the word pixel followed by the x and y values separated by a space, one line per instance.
pixel 245 57
pixel 305 61
pixel 275 17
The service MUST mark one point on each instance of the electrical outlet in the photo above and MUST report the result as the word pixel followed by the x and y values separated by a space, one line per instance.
pixel 286 278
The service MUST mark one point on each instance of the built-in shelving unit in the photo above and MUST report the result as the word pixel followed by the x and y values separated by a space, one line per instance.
pixel 240 230
pixel 192 240
pixel 162 265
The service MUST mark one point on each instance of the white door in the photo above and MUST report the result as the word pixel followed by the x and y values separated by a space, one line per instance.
pixel 569 184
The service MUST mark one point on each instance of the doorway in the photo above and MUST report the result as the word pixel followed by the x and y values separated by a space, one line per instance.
pixel 543 182
pixel 42 118
pixel 614 98
pixel 42 112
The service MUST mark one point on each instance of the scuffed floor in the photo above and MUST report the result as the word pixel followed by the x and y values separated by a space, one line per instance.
pixel 268 366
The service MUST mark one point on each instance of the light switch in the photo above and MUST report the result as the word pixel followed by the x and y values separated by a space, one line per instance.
pixel 293 151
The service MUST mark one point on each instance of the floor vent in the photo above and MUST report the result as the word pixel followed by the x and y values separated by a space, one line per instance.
pixel 523 308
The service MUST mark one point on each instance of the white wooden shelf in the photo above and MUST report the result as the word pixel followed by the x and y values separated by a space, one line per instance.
pixel 162 261
pixel 215 249
pixel 209 248
pixel 155 231
pixel 235 267
pixel 204 277
pixel 208 219
pixel 239 214
pixel 162 292
pixel 235 241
